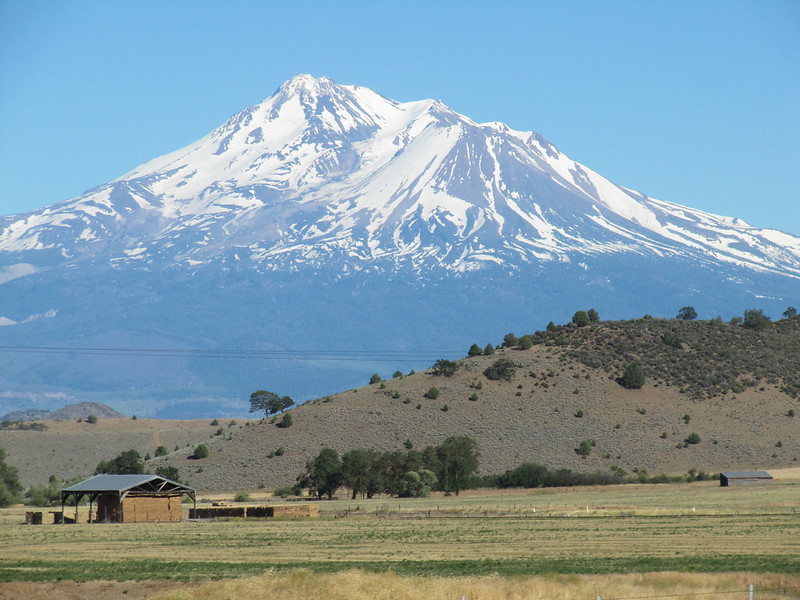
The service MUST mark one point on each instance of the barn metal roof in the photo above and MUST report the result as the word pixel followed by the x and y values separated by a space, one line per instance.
pixel 125 483
pixel 746 474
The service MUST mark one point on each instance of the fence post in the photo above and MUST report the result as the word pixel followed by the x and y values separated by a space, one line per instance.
pixel 751 592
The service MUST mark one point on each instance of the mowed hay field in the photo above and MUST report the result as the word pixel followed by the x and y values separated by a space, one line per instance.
pixel 688 534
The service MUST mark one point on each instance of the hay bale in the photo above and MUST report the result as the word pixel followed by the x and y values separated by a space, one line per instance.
pixel 152 508
pixel 33 518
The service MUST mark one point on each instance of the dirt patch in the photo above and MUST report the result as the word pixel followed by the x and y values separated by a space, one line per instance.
pixel 72 590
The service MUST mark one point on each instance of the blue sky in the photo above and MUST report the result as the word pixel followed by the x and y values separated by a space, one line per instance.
pixel 696 102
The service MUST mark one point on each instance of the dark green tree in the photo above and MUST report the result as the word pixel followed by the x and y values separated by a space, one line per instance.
pixel 594 316
pixel 510 340
pixel 392 466
pixel 457 461
pixel 286 421
pixel 445 368
pixel 323 474
pixel 525 342
pixel 633 377
pixel 474 350
pixel 687 313
pixel 432 393
pixel 526 475
pixel 128 462
pixel 488 350
pixel 200 451
pixel 10 487
pixel 755 319
pixel 503 368
pixel 269 402
pixel 360 472
pixel 580 318
pixel 584 449
pixel 790 313
pixel 693 438
pixel 168 472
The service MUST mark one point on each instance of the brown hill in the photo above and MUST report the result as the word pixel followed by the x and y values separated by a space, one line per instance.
pixel 732 386
pixel 71 449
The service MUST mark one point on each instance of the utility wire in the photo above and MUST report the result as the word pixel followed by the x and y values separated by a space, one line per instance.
pixel 326 355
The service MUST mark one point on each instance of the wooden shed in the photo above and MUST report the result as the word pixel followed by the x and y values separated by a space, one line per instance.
pixel 729 478
pixel 130 498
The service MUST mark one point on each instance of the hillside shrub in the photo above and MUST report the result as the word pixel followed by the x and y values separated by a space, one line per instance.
pixel 286 421
pixel 503 368
pixel 168 472
pixel 584 449
pixel 432 393
pixel 633 377
pixel 693 438
pixel 200 451
pixel 283 492
pixel 445 368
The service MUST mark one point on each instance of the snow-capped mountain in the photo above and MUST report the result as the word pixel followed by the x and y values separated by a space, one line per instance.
pixel 328 217
pixel 337 176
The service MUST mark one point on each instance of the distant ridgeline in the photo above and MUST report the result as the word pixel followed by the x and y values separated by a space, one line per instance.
pixel 80 410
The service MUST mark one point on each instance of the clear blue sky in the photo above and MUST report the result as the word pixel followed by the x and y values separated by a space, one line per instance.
pixel 692 101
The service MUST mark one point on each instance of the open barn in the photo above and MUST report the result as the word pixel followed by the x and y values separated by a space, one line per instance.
pixel 129 498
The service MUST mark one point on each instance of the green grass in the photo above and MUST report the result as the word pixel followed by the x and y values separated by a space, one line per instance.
pixel 137 570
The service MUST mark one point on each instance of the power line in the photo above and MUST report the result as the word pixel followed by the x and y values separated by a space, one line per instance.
pixel 308 355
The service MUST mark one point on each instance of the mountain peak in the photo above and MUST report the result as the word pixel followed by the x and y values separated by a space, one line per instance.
pixel 304 82
pixel 336 176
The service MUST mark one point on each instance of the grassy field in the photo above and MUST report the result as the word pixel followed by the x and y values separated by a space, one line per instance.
pixel 618 529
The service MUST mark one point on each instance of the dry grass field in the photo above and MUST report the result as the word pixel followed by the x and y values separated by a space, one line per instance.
pixel 577 542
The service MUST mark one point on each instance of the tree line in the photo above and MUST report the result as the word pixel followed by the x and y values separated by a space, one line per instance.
pixel 448 467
